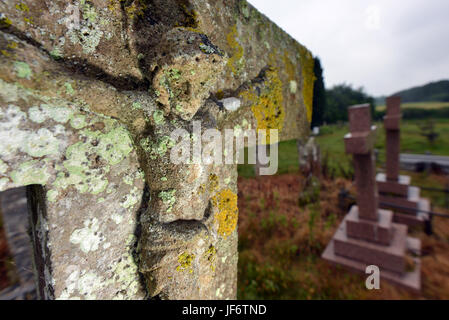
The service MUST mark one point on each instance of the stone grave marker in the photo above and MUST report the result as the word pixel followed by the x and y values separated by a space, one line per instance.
pixel 368 235
pixel 395 189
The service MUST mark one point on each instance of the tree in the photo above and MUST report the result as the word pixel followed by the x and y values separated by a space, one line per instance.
pixel 319 95
pixel 342 96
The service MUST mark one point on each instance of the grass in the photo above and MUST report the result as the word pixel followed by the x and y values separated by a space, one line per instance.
pixel 419 105
pixel 280 244
pixel 288 160
pixel 331 142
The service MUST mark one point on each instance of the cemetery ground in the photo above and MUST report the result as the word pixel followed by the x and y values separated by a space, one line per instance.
pixel 284 230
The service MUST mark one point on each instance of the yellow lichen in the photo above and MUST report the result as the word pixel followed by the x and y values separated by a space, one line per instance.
pixel 201 189
pixel 267 107
pixel 289 67
pixel 308 76
pixel 210 255
pixel 22 7
pixel 185 262
pixel 213 182
pixel 191 17
pixel 226 218
pixel 236 62
pixel 5 22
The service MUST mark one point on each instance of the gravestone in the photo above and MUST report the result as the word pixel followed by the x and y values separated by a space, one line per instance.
pixel 395 189
pixel 368 235
pixel 90 92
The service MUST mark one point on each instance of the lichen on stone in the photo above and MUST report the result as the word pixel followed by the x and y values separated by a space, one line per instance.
pixel 88 238
pixel 308 76
pixel 168 198
pixel 226 203
pixel 236 61
pixel 23 70
pixel 185 261
pixel 268 106
pixel 210 255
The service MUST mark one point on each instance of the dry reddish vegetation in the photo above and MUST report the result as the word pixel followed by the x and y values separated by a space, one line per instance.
pixel 280 244
pixel 4 257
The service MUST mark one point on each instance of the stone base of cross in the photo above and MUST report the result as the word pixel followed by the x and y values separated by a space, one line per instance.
pixel 367 235
pixel 395 190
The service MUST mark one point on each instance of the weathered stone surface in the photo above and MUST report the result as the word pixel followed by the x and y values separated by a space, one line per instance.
pixel 87 108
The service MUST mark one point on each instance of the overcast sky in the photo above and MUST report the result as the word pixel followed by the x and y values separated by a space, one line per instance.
pixel 383 45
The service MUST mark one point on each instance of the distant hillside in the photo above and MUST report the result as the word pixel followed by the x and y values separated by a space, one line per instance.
pixel 434 91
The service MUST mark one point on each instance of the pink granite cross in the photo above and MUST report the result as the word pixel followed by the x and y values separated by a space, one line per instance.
pixel 391 124
pixel 360 142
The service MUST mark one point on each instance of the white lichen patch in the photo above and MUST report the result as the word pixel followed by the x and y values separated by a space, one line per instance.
pixel 231 104
pixel 89 161
pixel 88 238
pixel 40 144
pixel 125 274
pixel 30 172
pixel 84 284
pixel 78 121
pixel 23 70
pixel 293 86
pixel 52 195
pixel 3 183
pixel 8 92
pixel 130 199
pixel 50 112
pixel 3 167
pixel 89 32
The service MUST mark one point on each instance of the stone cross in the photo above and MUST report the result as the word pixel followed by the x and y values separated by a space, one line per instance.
pixel 90 92
pixel 367 235
pixel 395 190
pixel 360 142
pixel 392 125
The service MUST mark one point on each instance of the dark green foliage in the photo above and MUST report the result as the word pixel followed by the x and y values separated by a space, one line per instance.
pixel 319 95
pixel 434 91
pixel 342 96
pixel 419 114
